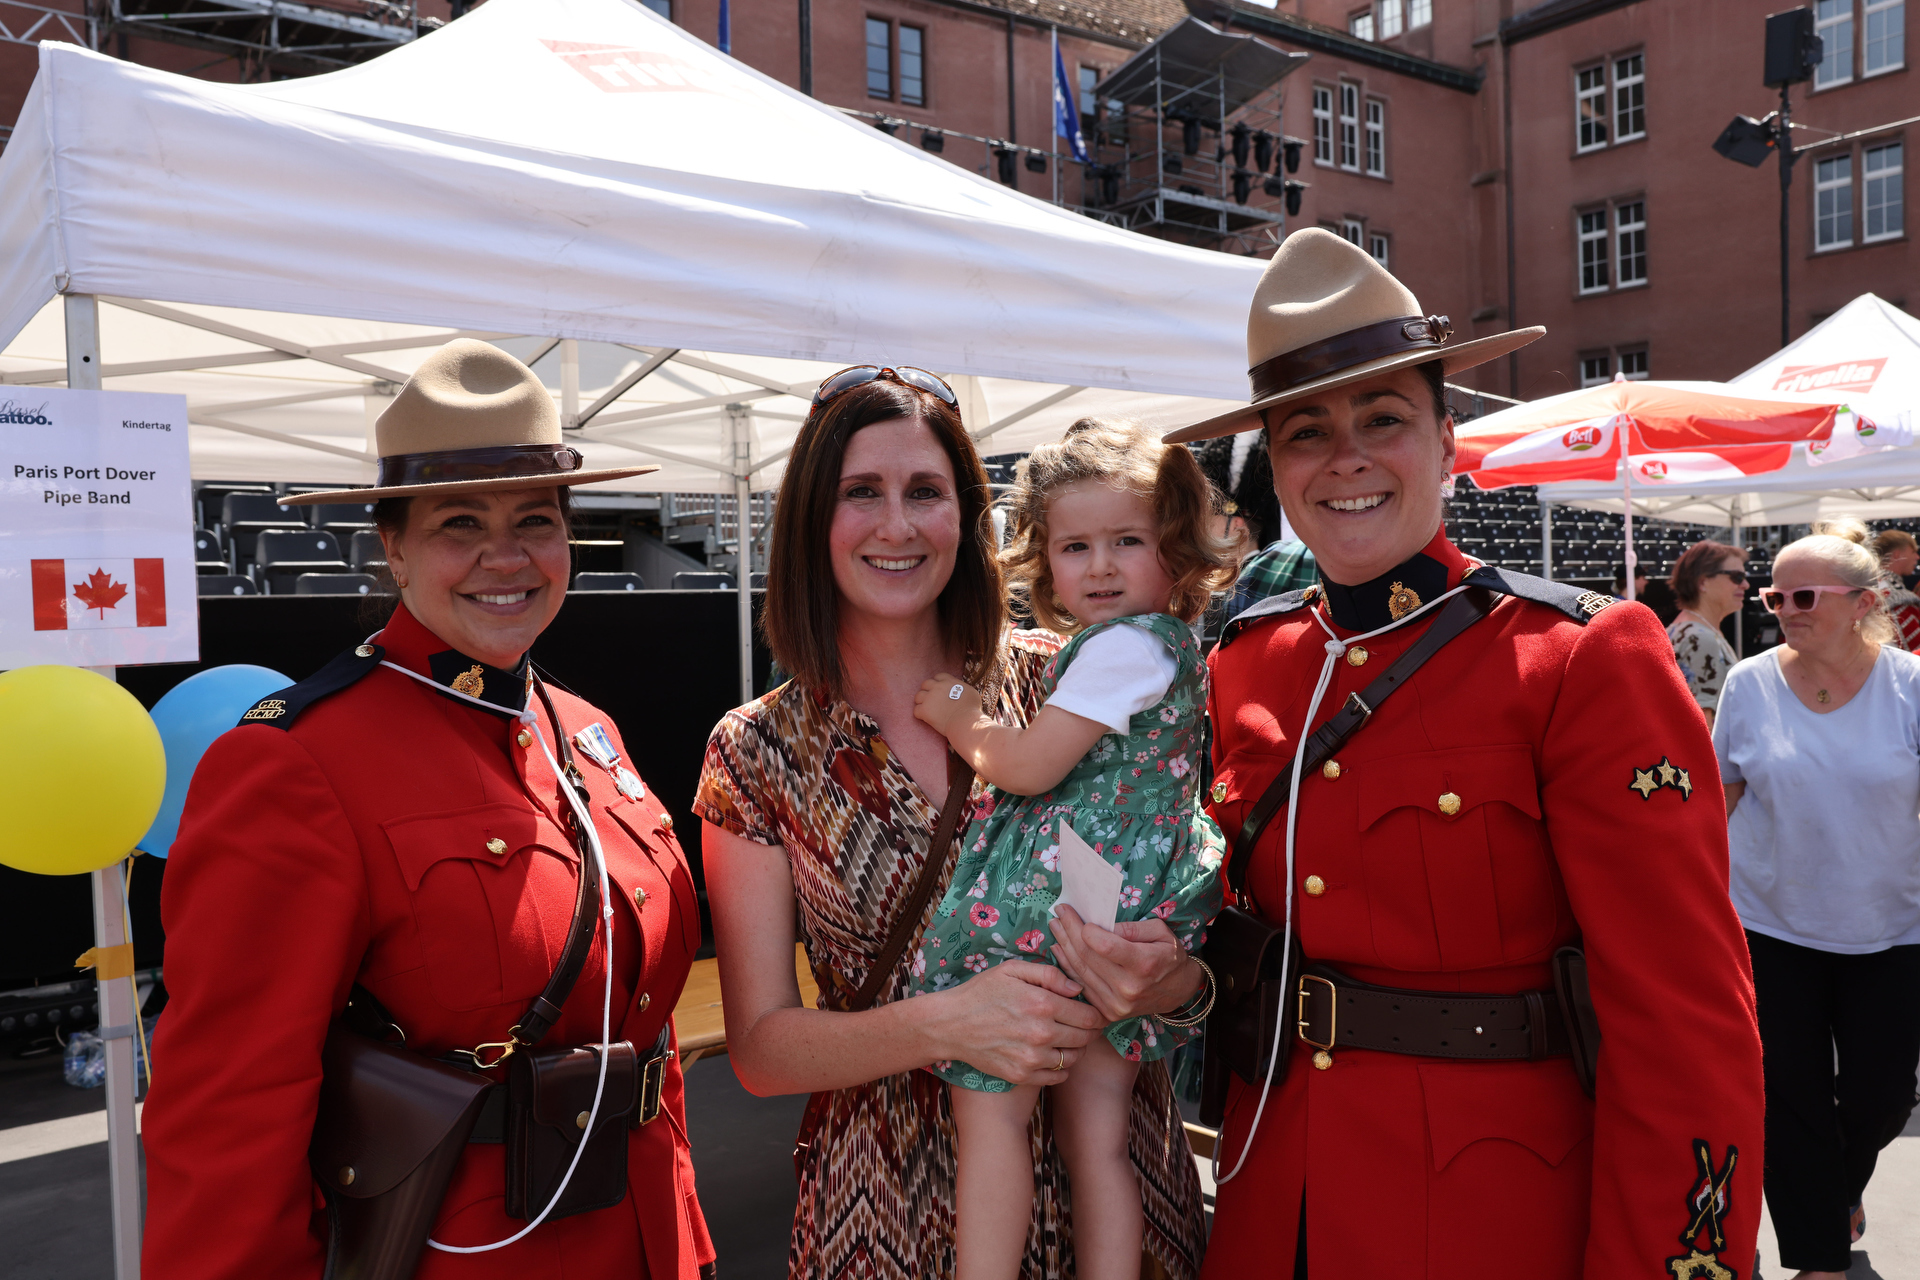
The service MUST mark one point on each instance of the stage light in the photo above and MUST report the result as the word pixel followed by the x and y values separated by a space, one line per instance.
pixel 932 140
pixel 1110 184
pixel 1747 140
pixel 1174 165
pixel 1793 50
pixel 888 125
pixel 1262 150
pixel 1293 155
pixel 1242 140
pixel 1275 187
pixel 1190 136
pixel 1036 162
pixel 1242 185
pixel 1294 191
pixel 1004 156
pixel 1189 189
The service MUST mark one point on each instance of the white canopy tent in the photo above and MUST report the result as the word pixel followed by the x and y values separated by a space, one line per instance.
pixel 1867 354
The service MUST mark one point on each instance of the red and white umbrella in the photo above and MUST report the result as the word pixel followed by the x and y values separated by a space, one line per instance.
pixel 1657 433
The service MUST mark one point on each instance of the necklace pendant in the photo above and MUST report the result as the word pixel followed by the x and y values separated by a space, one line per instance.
pixel 1822 695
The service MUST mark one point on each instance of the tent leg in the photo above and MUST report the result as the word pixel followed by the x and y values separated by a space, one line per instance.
pixel 1740 614
pixel 741 423
pixel 1546 540
pixel 119 1003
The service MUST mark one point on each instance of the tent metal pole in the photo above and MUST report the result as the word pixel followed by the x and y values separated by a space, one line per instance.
pixel 119 1005
pixel 1546 540
pixel 1740 614
pixel 740 420
pixel 569 383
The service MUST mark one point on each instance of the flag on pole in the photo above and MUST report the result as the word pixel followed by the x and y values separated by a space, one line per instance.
pixel 726 29
pixel 89 595
pixel 1066 111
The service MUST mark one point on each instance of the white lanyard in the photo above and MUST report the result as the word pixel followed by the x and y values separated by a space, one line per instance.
pixel 531 719
pixel 1336 649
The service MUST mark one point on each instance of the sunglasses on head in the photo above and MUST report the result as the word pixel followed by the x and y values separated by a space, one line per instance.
pixel 861 374
pixel 1803 598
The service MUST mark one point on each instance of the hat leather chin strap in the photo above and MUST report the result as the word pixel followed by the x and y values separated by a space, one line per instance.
pixel 1306 364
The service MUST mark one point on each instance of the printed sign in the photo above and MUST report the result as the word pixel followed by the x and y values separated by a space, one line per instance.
pixel 1846 375
pixel 96 529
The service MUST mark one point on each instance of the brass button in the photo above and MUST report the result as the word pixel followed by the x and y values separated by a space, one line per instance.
pixel 1357 656
pixel 1330 770
pixel 496 846
pixel 580 1121
pixel 645 1000
pixel 364 651
pixel 1315 886
pixel 346 1175
pixel 1322 1060
pixel 525 739
pixel 666 822
pixel 1449 804
pixel 1219 792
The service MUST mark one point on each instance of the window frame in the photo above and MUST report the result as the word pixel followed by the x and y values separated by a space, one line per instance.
pixel 1360 24
pixel 1347 131
pixel 1622 354
pixel 1587 265
pixel 1419 14
pixel 1373 146
pixel 1354 232
pixel 1595 378
pixel 1619 85
pixel 1583 120
pixel 662 7
pixel 886 50
pixel 1323 125
pixel 1380 248
pixel 1842 189
pixel 1621 256
pixel 1089 104
pixel 1823 27
pixel 1897 177
pixel 1868 10
pixel 900 30
pixel 1382 9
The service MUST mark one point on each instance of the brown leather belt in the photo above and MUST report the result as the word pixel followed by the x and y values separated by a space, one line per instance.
pixel 1336 1012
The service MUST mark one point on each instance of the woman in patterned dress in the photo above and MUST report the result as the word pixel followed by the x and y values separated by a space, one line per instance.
pixel 1709 579
pixel 819 801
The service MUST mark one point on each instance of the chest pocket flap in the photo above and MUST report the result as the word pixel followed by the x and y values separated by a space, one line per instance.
pixel 1462 778
pixel 486 833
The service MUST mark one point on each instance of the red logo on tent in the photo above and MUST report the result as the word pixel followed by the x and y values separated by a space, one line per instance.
pixel 613 68
pixel 77 595
pixel 1655 470
pixel 1581 439
pixel 1847 375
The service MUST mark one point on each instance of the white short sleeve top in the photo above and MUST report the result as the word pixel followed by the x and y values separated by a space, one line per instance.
pixel 1115 676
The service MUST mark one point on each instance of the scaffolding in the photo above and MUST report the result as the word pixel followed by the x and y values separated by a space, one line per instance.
pixel 270 39
pixel 1188 144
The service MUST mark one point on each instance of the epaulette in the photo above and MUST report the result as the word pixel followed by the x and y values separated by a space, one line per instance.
pixel 281 709
pixel 1272 607
pixel 1576 602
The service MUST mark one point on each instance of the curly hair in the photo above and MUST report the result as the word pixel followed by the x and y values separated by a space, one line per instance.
pixel 1126 455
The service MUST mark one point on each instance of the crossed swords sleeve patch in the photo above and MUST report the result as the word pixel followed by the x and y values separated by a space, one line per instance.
pixel 1655 777
pixel 1709 1201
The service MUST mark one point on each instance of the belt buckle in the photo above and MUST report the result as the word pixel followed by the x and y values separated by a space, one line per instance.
pixel 1322 1058
pixel 653 1076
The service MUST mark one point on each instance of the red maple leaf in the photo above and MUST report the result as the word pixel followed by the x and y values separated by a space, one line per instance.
pixel 100 591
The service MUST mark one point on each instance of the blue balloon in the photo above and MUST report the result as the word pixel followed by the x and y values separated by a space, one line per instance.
pixel 191 715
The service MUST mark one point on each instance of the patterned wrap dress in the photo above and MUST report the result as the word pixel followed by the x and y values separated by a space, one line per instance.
pixel 1133 797
pixel 813 776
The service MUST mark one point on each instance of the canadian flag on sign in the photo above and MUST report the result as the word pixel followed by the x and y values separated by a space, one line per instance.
pixel 85 595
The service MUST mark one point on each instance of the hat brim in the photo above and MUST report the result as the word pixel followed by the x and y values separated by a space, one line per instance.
pixel 465 486
pixel 1453 359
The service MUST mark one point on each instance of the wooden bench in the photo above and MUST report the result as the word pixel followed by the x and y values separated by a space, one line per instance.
pixel 698 1018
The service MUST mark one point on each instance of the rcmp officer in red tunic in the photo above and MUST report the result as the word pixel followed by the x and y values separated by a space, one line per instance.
pixel 394 826
pixel 1539 797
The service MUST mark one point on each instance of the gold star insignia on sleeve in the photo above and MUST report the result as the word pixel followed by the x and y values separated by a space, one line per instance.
pixel 1661 776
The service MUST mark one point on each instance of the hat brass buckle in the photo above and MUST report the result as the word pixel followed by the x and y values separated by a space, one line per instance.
pixel 1333 1012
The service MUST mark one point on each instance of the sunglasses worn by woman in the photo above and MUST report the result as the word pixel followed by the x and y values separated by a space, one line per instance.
pixel 1803 598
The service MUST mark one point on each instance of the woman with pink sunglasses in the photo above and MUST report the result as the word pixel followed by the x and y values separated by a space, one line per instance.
pixel 1819 746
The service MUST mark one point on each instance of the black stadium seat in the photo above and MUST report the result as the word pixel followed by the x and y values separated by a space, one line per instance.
pixel 335 584
pixel 281 556
pixel 208 555
pixel 342 518
pixel 609 582
pixel 226 584
pixel 702 582
pixel 366 553
pixel 245 516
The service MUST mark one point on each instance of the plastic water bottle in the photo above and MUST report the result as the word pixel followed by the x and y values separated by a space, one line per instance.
pixel 86 1061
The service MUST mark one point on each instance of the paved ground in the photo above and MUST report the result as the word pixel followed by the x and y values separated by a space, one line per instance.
pixel 53 1195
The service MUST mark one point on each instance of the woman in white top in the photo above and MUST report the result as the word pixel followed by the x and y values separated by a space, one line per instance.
pixel 1819 747
pixel 1709 579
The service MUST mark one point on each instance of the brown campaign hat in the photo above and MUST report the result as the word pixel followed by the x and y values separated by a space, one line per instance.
pixel 471 418
pixel 1326 314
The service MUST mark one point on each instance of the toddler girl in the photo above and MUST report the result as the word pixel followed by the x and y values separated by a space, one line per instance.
pixel 1109 544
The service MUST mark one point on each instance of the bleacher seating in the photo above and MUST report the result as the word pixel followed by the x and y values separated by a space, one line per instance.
pixel 210 499
pixel 342 518
pixel 608 582
pixel 366 553
pixel 226 584
pixel 209 556
pixel 281 556
pixel 686 581
pixel 245 516
pixel 335 584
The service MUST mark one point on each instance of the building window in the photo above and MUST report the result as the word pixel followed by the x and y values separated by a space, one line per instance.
pixel 1387 13
pixel 1596 369
pixel 1630 98
pixel 1886 23
pixel 913 66
pixel 1376 137
pixel 1089 100
pixel 1350 127
pixel 1377 246
pixel 879 58
pixel 1593 251
pixel 1833 203
pixel 1322 125
pixel 1630 237
pixel 1419 13
pixel 1590 107
pixel 662 7
pixel 1352 230
pixel 1360 25
pixel 1881 167
pixel 1633 364
pixel 1833 23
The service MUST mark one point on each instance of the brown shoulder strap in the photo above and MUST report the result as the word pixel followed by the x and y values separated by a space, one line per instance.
pixel 1462 612
pixel 960 777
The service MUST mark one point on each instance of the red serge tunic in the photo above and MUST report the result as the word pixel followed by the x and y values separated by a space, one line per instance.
pixel 358 843
pixel 1589 809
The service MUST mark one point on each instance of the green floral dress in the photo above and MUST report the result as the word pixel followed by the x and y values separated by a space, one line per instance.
pixel 1134 799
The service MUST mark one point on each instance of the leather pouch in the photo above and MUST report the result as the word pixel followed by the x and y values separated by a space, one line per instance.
pixel 1583 1023
pixel 391 1127
pixel 549 1096
pixel 1253 978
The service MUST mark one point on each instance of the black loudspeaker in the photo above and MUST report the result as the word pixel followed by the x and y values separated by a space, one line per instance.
pixel 1793 50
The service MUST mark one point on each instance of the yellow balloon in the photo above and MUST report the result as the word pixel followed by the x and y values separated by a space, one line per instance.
pixel 81 771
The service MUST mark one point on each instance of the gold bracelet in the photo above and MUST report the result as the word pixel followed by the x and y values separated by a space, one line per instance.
pixel 1187 1015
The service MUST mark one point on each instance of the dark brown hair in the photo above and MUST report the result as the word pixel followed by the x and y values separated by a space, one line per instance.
pixel 1694 565
pixel 801 615
pixel 1888 541
pixel 1125 454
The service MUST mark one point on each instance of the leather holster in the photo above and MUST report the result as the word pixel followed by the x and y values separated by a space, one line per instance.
pixel 1252 978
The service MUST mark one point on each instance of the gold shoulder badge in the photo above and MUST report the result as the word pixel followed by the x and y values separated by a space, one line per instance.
pixel 1708 1202
pixel 1660 776
pixel 1592 602
pixel 267 709
pixel 469 682
pixel 1402 600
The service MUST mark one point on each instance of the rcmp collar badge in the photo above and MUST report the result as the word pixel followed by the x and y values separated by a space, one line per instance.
pixel 1402 600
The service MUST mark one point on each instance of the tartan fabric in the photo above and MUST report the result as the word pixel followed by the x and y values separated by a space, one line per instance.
pixel 1276 568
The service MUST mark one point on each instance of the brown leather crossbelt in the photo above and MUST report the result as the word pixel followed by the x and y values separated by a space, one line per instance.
pixel 1336 1012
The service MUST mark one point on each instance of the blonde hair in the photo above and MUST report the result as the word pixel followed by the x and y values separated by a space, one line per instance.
pixel 1841 545
pixel 1125 454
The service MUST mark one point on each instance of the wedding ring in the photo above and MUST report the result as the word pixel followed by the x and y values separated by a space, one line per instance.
pixel 953 694
pixel 1061 1065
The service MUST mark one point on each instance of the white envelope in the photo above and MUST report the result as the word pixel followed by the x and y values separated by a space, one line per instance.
pixel 1088 882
